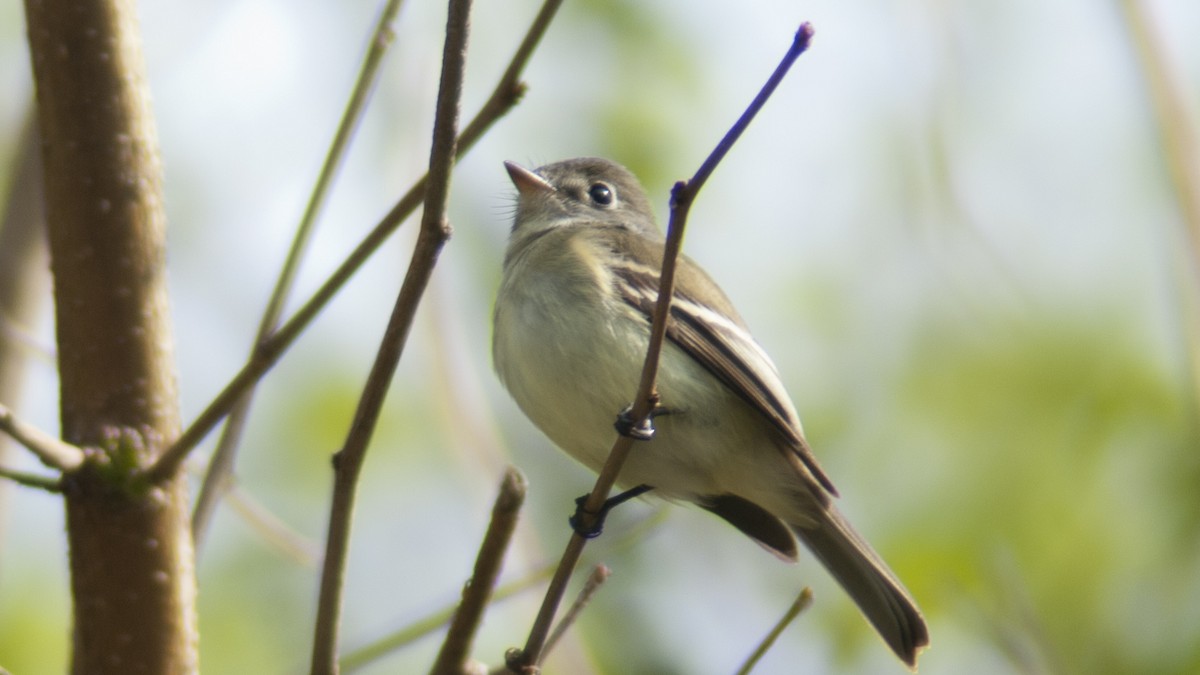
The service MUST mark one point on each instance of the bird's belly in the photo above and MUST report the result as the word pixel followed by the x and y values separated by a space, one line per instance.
pixel 572 380
pixel 573 384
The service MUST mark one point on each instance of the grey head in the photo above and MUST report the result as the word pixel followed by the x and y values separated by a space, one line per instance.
pixel 585 189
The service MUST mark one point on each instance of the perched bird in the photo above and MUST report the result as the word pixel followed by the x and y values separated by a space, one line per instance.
pixel 572 322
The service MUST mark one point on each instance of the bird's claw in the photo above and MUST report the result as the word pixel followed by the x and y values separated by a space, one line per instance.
pixel 593 530
pixel 627 426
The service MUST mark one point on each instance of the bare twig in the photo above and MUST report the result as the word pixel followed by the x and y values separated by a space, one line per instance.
pixel 51 451
pixel 370 653
pixel 376 650
pixel 434 233
pixel 1179 138
pixel 456 648
pixel 595 580
pixel 276 533
pixel 33 480
pixel 506 94
pixel 802 602
pixel 1176 123
pixel 221 466
pixel 799 46
pixel 682 196
pixel 23 339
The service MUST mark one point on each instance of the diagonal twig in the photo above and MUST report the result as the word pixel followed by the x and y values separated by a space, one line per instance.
pixel 1179 138
pixel 220 468
pixel 434 233
pixel 802 602
pixel 504 97
pixel 595 580
pixel 682 197
pixel 456 648
pixel 47 483
pixel 51 451
pixel 272 529
pixel 376 650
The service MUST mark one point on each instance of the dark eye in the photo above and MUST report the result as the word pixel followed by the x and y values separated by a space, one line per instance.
pixel 601 194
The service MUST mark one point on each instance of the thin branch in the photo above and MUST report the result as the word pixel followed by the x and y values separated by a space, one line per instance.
pixel 273 530
pixel 799 45
pixel 33 480
pixel 418 629
pixel 510 89
pixel 1179 139
pixel 434 233
pixel 595 580
pixel 802 602
pixel 368 654
pixel 504 97
pixel 682 196
pixel 221 467
pixel 1176 123
pixel 21 337
pixel 456 649
pixel 51 451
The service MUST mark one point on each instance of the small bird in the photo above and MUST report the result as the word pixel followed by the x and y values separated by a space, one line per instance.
pixel 572 322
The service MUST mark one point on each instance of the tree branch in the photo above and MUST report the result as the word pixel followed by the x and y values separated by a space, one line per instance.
pixel 595 580
pixel 52 452
pixel 1179 138
pixel 456 648
pixel 32 480
pixel 365 655
pixel 276 533
pixel 506 95
pixel 802 602
pixel 221 466
pixel 682 197
pixel 434 233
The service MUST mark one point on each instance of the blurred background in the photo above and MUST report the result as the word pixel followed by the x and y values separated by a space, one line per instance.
pixel 955 227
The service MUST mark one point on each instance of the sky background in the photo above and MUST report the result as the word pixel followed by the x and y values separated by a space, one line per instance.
pixel 953 228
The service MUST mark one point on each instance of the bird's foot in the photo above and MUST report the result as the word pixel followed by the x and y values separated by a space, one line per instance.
pixel 627 426
pixel 593 529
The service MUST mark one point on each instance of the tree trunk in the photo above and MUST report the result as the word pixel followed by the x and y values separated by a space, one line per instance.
pixel 132 572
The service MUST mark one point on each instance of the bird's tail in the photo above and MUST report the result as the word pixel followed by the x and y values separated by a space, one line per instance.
pixel 868 581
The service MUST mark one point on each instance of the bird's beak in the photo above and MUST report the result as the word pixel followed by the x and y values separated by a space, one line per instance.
pixel 528 183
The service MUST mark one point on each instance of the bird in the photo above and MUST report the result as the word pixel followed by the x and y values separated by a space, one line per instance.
pixel 571 326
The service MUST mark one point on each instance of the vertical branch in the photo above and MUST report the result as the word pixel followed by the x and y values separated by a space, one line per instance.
pixel 130 550
pixel 434 233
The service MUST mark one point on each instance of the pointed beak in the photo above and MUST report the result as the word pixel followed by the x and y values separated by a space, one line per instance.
pixel 528 183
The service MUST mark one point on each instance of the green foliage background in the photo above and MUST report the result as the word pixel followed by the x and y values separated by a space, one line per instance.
pixel 953 228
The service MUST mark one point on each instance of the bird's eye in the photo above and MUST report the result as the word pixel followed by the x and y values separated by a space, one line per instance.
pixel 601 194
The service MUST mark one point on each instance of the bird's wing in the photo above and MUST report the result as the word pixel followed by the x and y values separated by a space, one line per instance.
pixel 717 339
